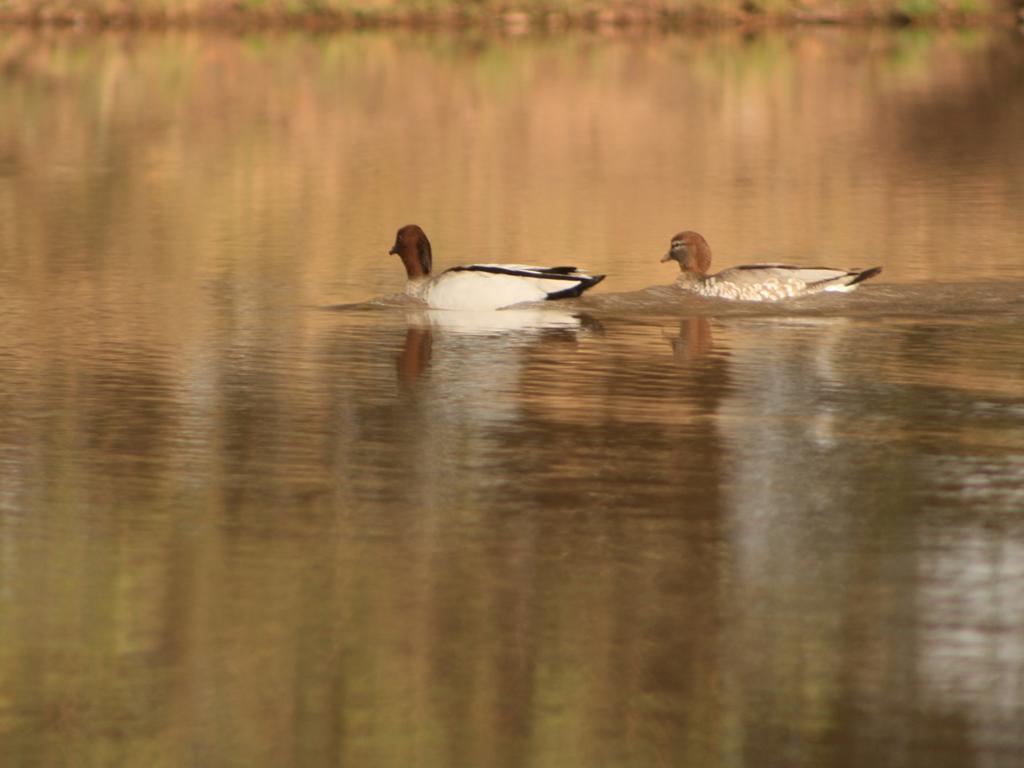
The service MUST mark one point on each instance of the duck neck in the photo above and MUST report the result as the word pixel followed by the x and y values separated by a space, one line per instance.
pixel 686 277
pixel 415 286
pixel 414 268
pixel 414 251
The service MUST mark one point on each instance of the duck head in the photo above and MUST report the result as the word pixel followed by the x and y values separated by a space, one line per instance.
pixel 691 251
pixel 412 246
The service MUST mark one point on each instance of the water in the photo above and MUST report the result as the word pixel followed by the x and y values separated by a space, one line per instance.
pixel 243 525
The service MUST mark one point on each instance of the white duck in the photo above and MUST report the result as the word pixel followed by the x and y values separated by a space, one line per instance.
pixel 755 282
pixel 482 286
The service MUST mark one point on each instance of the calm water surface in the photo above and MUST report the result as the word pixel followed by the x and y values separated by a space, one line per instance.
pixel 243 526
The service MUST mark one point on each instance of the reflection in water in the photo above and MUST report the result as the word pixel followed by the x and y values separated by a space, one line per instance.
pixel 514 151
pixel 540 325
pixel 554 532
pixel 415 355
pixel 693 340
pixel 235 530
pixel 521 322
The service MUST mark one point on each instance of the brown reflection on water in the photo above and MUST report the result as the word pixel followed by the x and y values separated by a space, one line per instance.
pixel 236 529
pixel 694 339
pixel 587 554
pixel 787 147
pixel 415 355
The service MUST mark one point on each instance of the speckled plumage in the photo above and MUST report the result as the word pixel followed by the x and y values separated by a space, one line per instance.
pixel 756 282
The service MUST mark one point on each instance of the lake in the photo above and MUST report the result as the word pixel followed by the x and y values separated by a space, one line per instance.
pixel 257 510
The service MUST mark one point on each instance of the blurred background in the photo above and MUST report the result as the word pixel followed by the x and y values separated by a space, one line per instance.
pixel 241 525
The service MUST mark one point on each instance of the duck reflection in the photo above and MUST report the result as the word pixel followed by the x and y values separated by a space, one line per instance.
pixel 693 341
pixel 512 328
pixel 415 355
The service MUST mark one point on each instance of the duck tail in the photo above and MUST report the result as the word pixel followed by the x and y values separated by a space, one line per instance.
pixel 585 283
pixel 865 275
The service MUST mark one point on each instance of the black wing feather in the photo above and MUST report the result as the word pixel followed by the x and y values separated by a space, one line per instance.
pixel 578 289
pixel 548 273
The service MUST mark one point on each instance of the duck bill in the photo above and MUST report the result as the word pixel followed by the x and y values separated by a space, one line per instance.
pixel 667 257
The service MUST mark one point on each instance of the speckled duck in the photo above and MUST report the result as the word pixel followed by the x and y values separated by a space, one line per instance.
pixel 755 282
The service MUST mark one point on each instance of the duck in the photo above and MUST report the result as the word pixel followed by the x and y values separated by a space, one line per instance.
pixel 755 282
pixel 482 286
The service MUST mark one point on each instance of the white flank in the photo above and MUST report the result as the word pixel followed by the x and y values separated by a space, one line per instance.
pixel 468 290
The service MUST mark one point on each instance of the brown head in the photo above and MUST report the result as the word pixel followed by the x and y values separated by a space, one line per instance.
pixel 691 251
pixel 412 246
